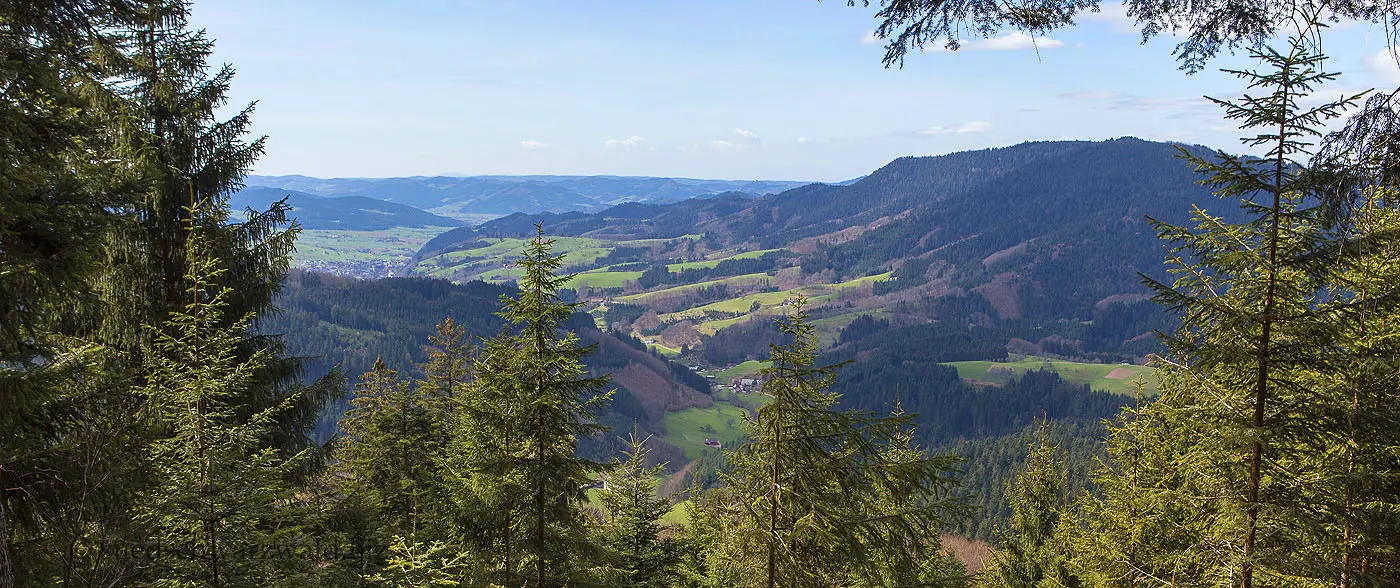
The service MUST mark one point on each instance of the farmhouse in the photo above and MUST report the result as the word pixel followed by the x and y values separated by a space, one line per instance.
pixel 746 385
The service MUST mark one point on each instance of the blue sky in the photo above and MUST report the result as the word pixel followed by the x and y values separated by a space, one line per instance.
pixel 741 89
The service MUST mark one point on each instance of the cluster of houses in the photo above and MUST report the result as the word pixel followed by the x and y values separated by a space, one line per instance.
pixel 746 385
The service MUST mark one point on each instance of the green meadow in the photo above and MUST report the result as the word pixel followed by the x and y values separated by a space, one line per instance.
pixel 1109 377
pixel 395 245
pixel 689 428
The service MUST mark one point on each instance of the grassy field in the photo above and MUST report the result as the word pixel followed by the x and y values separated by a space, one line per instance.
pixel 687 429
pixel 603 279
pixel 775 302
pixel 829 328
pixel 502 274
pixel 664 350
pixel 679 515
pixel 678 267
pixel 744 280
pixel 712 327
pixel 497 251
pixel 395 245
pixel 1109 377
pixel 743 369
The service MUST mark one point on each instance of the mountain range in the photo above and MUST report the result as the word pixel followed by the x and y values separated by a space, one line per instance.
pixel 349 213
pixel 469 198
pixel 1046 238
pixel 978 291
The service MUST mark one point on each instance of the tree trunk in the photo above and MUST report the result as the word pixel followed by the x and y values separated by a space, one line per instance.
pixel 773 501
pixel 7 570
pixel 1261 385
pixel 539 455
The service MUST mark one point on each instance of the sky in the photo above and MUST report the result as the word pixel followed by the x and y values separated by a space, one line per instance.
pixel 726 89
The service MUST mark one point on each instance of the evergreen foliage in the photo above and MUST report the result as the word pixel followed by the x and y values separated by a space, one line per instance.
pixel 488 484
pixel 559 402
pixel 632 530
pixel 1031 553
pixel 389 452
pixel 1246 471
pixel 153 433
pixel 219 510
pixel 824 496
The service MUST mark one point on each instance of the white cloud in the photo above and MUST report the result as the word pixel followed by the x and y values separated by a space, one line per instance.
pixel 1013 41
pixel 869 38
pixel 1383 65
pixel 803 140
pixel 625 143
pixel 739 140
pixel 1017 41
pixel 967 128
pixel 533 145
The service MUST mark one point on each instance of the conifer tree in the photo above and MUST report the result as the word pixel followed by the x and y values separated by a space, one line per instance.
pixel 710 554
pixel 415 564
pixel 390 453
pixel 220 509
pixel 517 483
pixel 447 374
pixel 632 530
pixel 174 151
pixel 1032 553
pixel 1235 476
pixel 1358 422
pixel 55 191
pixel 560 403
pixel 808 485
pixel 485 480
pixel 1147 524
pixel 889 562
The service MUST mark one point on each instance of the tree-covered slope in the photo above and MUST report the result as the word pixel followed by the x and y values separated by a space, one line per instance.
pixel 1047 239
pixel 348 213
pixel 348 324
pixel 502 195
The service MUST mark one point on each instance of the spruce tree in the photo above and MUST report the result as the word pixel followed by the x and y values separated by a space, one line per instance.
pixel 1357 441
pixel 390 454
pixel 55 192
pixel 220 510
pixel 1146 523
pixel 485 480
pixel 447 373
pixel 515 478
pixel 808 486
pixel 560 404
pixel 1245 471
pixel 175 151
pixel 1032 552
pixel 415 564
pixel 632 529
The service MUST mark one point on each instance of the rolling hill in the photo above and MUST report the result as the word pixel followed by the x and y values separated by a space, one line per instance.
pixel 468 198
pixel 1043 240
pixel 346 213
pixel 346 324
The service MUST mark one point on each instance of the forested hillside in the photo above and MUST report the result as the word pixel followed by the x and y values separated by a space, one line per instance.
pixel 464 197
pixel 350 325
pixel 1117 377
pixel 1042 240
pixel 350 213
